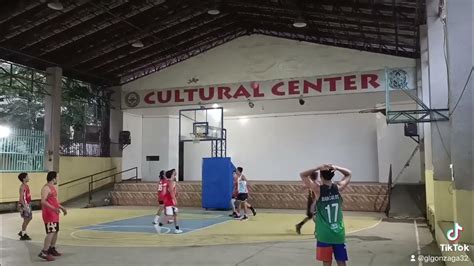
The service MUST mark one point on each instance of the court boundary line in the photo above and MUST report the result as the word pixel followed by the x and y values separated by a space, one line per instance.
pixel 366 228
pixel 418 250
pixel 170 246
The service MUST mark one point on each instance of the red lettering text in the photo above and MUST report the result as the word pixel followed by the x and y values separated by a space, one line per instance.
pixel 349 83
pixel 160 96
pixel 369 79
pixel 223 91
pixel 241 91
pixel 177 96
pixel 314 86
pixel 190 94
pixel 148 99
pixel 293 87
pixel 257 93
pixel 275 90
pixel 202 95
pixel 332 83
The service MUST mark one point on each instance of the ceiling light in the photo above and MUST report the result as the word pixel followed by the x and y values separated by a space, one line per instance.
pixel 213 11
pixel 55 5
pixel 4 131
pixel 299 23
pixel 215 105
pixel 138 44
pixel 301 100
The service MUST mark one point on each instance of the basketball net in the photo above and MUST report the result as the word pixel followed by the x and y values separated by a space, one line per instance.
pixel 197 137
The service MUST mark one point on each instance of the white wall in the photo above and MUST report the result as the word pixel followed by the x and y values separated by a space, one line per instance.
pixel 193 154
pixel 155 143
pixel 259 57
pixel 131 156
pixel 173 149
pixel 277 146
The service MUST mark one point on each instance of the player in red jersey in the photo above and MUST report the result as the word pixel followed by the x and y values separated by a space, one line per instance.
pixel 170 200
pixel 24 205
pixel 50 208
pixel 162 188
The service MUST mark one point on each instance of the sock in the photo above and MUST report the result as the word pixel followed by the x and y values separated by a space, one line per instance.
pixel 157 218
pixel 23 232
pixel 177 227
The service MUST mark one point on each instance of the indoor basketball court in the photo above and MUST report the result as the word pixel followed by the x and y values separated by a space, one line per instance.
pixel 236 132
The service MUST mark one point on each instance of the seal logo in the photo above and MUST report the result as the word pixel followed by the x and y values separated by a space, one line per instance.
pixel 397 79
pixel 132 99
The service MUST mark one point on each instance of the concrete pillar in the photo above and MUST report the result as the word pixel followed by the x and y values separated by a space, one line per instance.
pixel 52 117
pixel 116 121
pixel 460 62
pixel 440 131
pixel 425 137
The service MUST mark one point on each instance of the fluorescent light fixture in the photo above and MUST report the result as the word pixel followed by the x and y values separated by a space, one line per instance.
pixel 138 44
pixel 213 11
pixel 55 5
pixel 299 23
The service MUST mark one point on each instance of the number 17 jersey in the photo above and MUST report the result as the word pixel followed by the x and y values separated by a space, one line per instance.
pixel 329 220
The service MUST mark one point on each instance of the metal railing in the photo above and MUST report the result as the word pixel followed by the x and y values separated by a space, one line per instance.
pixel 91 183
pixel 87 176
pixel 22 150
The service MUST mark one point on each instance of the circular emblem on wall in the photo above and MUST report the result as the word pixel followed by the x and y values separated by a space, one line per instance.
pixel 132 99
pixel 398 79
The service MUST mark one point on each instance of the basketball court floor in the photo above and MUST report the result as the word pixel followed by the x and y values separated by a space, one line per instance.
pixel 125 236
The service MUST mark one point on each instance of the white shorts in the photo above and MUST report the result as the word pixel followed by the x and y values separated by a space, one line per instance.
pixel 171 210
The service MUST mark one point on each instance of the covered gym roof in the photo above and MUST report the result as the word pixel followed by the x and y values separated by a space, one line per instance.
pixel 111 42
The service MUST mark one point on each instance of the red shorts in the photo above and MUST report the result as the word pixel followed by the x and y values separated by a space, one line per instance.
pixel 325 251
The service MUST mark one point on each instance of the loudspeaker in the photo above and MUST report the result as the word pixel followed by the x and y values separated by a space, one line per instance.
pixel 411 130
pixel 124 138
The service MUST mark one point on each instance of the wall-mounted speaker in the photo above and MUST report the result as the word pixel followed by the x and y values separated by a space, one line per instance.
pixel 411 130
pixel 124 138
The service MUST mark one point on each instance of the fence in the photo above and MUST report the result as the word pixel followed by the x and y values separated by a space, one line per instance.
pixel 22 150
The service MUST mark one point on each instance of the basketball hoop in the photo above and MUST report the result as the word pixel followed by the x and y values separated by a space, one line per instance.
pixel 197 137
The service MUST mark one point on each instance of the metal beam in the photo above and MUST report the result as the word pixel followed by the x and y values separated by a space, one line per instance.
pixel 161 23
pixel 84 20
pixel 151 45
pixel 191 51
pixel 417 116
pixel 131 63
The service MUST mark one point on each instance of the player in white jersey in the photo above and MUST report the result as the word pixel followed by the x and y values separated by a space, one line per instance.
pixel 243 194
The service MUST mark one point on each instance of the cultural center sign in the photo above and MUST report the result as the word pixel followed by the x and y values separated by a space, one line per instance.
pixel 357 82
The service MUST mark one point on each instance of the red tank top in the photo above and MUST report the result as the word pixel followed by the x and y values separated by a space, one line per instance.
pixel 167 199
pixel 26 194
pixel 50 215
pixel 162 189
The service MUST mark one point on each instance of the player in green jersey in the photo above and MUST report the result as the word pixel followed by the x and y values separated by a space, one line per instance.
pixel 330 232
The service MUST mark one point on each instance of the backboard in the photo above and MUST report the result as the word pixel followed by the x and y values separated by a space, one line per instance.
pixel 201 124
